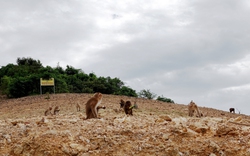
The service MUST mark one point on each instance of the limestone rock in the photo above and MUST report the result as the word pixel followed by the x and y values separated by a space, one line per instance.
pixel 226 130
pixel 165 117
pixel 171 151
pixel 18 149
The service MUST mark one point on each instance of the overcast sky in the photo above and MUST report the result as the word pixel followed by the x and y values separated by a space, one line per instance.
pixel 182 49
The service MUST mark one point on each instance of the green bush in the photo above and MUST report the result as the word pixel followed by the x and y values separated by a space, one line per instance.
pixel 161 98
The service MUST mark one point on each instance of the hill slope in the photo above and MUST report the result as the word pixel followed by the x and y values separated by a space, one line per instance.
pixel 156 128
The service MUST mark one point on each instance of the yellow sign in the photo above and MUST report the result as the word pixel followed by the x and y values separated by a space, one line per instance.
pixel 49 82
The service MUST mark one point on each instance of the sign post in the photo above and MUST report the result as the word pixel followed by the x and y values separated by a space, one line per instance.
pixel 48 82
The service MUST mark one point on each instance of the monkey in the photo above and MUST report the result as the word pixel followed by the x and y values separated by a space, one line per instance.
pixel 41 121
pixel 192 107
pixel 92 104
pixel 122 103
pixel 48 111
pixel 99 107
pixel 56 110
pixel 232 110
pixel 78 107
pixel 128 108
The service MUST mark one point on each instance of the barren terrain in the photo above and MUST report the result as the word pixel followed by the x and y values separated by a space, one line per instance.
pixel 156 128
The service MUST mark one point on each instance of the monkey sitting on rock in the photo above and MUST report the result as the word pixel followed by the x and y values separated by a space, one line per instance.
pixel 122 104
pixel 128 108
pixel 48 111
pixel 192 107
pixel 56 110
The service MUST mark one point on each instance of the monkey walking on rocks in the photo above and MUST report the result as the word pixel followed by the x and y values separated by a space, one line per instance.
pixel 56 110
pixel 48 111
pixel 92 104
pixel 192 107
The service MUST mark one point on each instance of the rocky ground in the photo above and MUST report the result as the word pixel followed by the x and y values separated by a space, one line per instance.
pixel 156 128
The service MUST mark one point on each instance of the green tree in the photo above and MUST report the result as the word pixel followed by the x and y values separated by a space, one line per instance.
pixel 75 85
pixel 5 82
pixel 114 85
pixel 71 70
pixel 61 84
pixel 47 72
pixel 10 70
pixel 29 64
pixel 126 91
pixel 59 69
pixel 92 76
pixel 19 87
pixel 147 94
pixel 23 79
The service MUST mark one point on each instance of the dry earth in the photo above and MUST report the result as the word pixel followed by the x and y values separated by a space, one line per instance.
pixel 156 128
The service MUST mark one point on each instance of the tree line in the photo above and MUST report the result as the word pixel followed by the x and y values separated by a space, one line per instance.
pixel 23 79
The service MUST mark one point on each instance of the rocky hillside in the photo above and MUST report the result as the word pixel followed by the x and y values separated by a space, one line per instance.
pixel 156 128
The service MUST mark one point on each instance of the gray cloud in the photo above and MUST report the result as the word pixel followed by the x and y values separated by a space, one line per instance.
pixel 189 50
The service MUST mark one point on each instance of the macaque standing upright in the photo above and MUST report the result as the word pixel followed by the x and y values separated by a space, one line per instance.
pixel 92 104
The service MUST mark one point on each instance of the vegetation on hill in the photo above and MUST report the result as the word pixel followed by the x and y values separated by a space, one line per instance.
pixel 23 79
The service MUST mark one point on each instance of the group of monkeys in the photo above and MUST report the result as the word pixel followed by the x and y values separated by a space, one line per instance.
pixel 92 107
pixel 55 112
pixel 192 107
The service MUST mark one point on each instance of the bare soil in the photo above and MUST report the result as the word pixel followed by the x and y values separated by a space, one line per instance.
pixel 156 128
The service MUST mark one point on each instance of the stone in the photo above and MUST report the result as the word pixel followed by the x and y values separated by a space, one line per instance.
pixel 18 149
pixel 165 117
pixel 225 130
pixel 171 151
